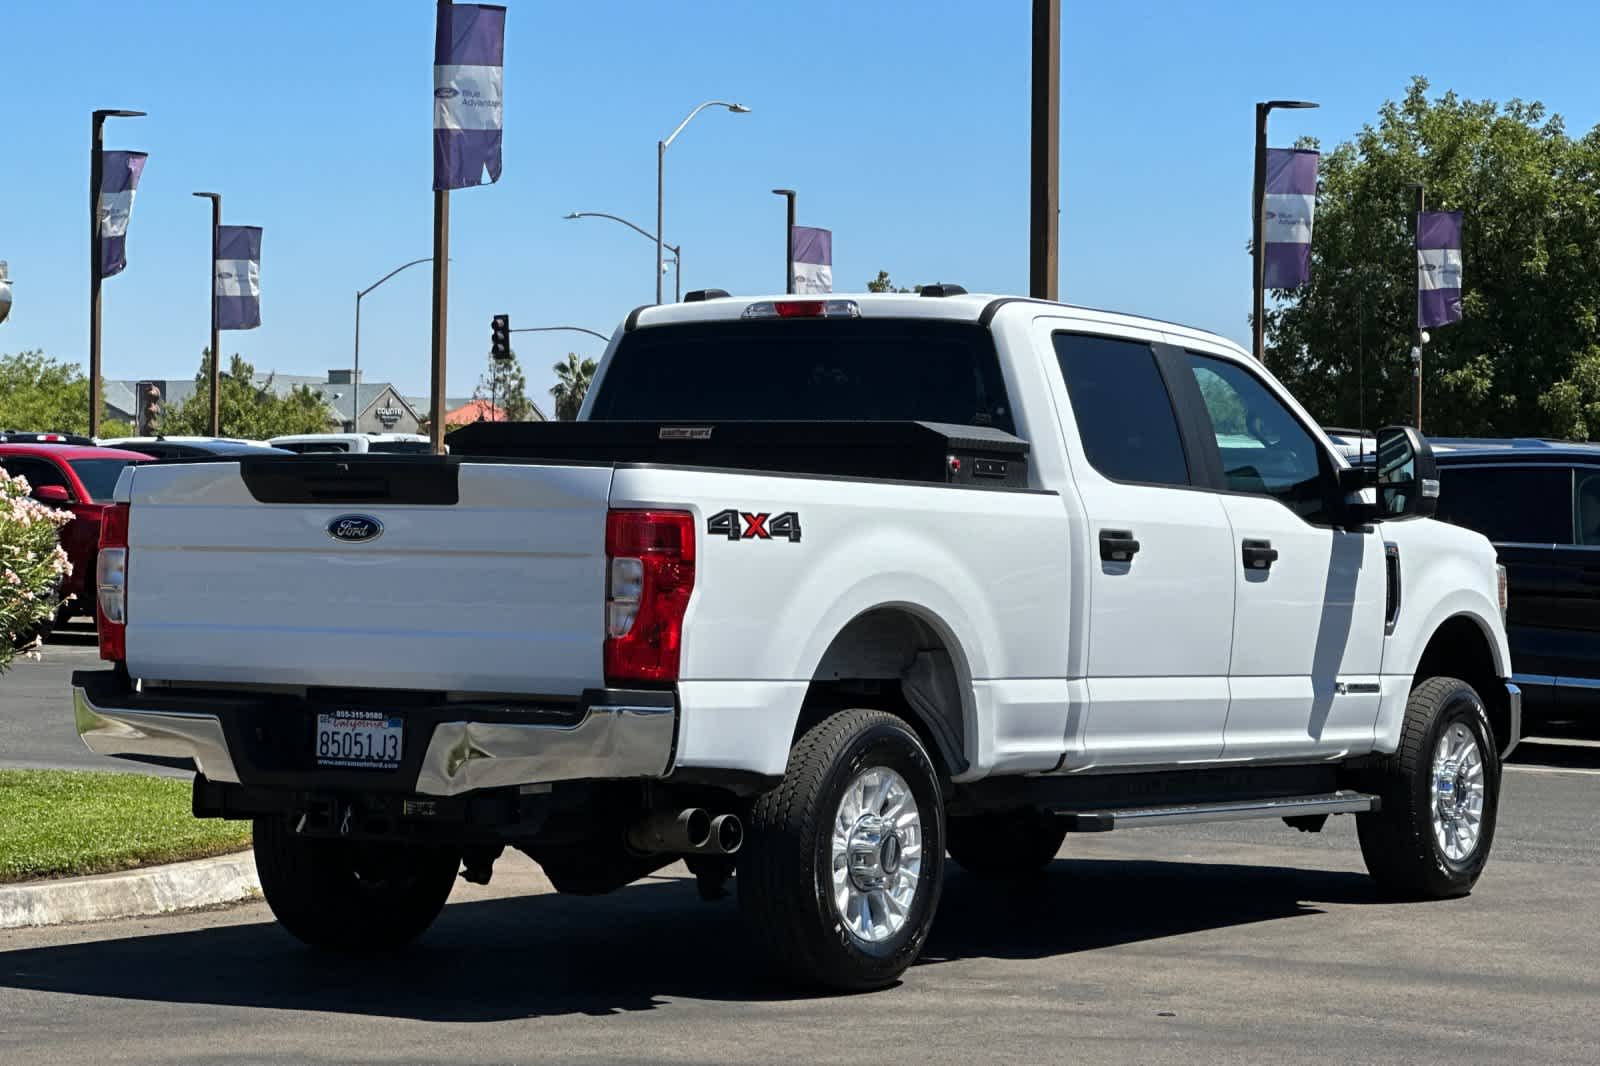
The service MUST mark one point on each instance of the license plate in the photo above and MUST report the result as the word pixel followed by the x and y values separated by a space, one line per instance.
pixel 370 740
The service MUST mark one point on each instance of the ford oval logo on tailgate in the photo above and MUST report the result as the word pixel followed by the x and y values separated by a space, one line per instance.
pixel 356 528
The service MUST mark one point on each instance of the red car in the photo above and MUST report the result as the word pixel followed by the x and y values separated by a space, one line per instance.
pixel 80 479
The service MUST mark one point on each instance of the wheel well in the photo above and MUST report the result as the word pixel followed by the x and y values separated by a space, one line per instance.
pixel 1460 648
pixel 893 660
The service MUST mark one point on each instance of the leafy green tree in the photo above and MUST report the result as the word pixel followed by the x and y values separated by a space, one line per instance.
pixel 1525 360
pixel 40 394
pixel 504 384
pixel 247 409
pixel 572 384
pixel 882 283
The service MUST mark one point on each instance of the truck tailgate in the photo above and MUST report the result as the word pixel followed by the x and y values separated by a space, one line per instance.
pixel 495 586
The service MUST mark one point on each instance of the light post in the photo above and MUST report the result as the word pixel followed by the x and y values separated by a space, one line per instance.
pixel 675 249
pixel 788 242
pixel 1258 204
pixel 355 383
pixel 570 329
pixel 1044 163
pixel 661 162
pixel 1419 336
pixel 216 399
pixel 96 149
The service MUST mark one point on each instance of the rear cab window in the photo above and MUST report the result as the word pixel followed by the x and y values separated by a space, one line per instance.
pixel 1124 413
pixel 870 370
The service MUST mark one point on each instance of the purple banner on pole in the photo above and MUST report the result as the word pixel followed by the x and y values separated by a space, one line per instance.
pixel 1291 198
pixel 1438 268
pixel 468 78
pixel 119 177
pixel 812 251
pixel 238 288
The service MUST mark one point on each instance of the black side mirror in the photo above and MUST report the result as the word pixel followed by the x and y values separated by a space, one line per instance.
pixel 1408 475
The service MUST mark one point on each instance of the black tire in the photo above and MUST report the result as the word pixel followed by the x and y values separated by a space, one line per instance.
pixel 1398 842
pixel 1005 843
pixel 785 877
pixel 351 896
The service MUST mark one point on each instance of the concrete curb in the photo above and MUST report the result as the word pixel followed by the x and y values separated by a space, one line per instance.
pixel 131 893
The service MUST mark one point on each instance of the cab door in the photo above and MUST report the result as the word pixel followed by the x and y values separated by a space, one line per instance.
pixel 1309 595
pixel 1159 577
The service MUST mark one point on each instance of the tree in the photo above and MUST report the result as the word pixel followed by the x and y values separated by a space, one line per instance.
pixel 572 384
pixel 1525 359
pixel 40 394
pixel 503 384
pixel 249 410
pixel 882 284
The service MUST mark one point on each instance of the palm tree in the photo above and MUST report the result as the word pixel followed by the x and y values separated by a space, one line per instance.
pixel 572 383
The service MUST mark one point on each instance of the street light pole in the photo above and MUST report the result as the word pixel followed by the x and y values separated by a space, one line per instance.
pixel 1258 204
pixel 96 149
pixel 661 163
pixel 1044 237
pixel 355 384
pixel 1418 337
pixel 788 242
pixel 675 249
pixel 216 374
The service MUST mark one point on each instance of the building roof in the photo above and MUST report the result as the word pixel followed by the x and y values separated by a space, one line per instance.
pixel 475 411
pixel 342 398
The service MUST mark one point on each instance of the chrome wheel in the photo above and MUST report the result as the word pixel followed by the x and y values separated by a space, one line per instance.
pixel 877 854
pixel 1457 792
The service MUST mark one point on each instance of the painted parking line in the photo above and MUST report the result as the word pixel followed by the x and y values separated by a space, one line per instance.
pixel 1561 742
pixel 1552 770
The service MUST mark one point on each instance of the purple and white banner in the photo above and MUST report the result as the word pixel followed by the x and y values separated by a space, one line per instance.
pixel 812 251
pixel 468 75
pixel 238 289
pixel 119 177
pixel 1438 268
pixel 1291 199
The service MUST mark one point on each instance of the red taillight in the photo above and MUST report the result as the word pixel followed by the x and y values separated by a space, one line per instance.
pixel 798 308
pixel 649 577
pixel 111 583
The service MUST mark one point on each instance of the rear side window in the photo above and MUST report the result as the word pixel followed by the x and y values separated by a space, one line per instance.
pixel 1124 414
pixel 1586 506
pixel 1509 504
pixel 99 476
pixel 835 370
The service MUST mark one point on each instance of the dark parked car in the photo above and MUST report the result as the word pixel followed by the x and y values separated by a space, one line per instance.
pixel 1539 502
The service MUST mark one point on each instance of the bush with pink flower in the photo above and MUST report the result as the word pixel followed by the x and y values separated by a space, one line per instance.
pixel 32 565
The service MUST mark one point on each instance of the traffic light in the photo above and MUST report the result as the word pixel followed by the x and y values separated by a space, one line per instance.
pixel 148 408
pixel 500 337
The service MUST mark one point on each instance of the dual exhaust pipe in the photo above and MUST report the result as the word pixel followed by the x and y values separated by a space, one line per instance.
pixel 691 831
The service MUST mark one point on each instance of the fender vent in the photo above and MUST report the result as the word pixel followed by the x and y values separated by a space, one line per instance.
pixel 1391 603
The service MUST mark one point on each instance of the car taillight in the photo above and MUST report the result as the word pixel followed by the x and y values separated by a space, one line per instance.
pixel 649 577
pixel 111 583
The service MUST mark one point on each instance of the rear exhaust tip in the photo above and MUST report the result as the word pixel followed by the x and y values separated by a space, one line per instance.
pixel 727 833
pixel 672 832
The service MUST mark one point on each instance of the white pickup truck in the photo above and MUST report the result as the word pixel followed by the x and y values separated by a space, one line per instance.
pixel 816 591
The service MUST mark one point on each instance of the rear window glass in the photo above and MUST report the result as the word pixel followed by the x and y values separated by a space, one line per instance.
pixel 816 369
pixel 1509 504
pixel 99 476
pixel 306 447
pixel 403 447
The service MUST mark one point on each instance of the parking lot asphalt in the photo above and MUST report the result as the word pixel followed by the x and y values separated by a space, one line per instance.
pixel 1247 942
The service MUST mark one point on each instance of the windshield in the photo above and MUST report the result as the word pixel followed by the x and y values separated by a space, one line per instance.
pixel 870 370
pixel 99 476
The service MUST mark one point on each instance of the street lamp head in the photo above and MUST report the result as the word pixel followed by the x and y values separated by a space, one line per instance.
pixel 208 195
pixel 112 112
pixel 573 214
pixel 738 109
pixel 783 192
pixel 1272 105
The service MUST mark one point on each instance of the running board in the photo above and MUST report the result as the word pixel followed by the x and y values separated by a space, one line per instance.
pixel 1341 802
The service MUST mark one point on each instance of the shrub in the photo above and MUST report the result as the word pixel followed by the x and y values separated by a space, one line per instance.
pixel 32 565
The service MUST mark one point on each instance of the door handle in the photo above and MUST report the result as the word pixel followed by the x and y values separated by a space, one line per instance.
pixel 1259 555
pixel 1118 545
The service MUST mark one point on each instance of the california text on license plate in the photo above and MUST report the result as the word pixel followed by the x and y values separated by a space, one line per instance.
pixel 367 739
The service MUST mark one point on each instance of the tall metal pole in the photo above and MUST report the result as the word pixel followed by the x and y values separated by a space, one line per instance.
pixel 677 273
pixel 96 150
pixel 355 372
pixel 1044 248
pixel 1258 228
pixel 1417 334
pixel 661 166
pixel 441 298
pixel 788 242
pixel 216 355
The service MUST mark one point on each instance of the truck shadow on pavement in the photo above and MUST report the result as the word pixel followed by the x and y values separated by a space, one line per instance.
pixel 551 955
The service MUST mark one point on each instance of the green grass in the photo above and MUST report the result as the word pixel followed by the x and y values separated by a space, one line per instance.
pixel 56 823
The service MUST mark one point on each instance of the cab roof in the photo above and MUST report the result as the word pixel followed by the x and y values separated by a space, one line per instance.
pixel 71 451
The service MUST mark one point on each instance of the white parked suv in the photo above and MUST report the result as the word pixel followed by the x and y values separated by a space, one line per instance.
pixel 817 591
pixel 358 443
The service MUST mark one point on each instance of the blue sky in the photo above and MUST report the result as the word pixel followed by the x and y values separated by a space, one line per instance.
pixel 903 126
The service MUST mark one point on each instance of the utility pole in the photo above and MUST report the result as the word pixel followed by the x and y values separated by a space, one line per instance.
pixel 1044 249
pixel 216 373
pixel 1258 227
pixel 788 242
pixel 96 171
pixel 1418 337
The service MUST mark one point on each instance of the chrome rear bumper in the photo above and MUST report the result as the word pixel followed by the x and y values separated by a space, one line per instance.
pixel 620 735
